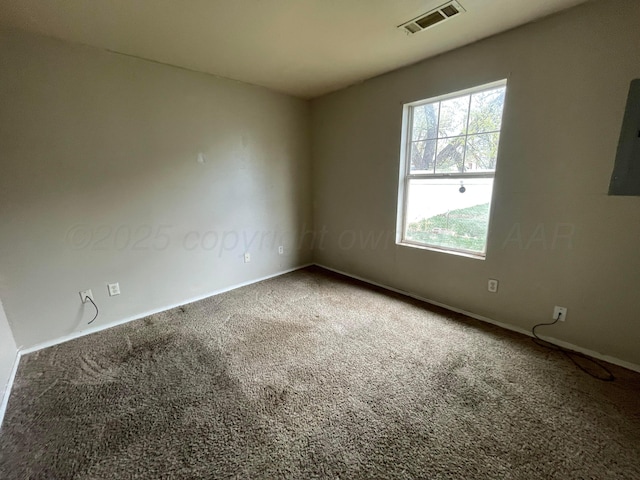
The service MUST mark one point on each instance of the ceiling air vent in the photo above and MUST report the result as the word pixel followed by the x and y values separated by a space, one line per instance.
pixel 433 17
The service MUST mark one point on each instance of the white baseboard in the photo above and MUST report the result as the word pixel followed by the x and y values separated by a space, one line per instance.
pixel 513 328
pixel 89 331
pixel 99 328
pixel 7 391
pixel 66 338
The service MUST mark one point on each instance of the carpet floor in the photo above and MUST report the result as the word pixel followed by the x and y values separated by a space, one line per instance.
pixel 312 375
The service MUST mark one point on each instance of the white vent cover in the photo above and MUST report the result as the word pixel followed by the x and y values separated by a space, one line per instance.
pixel 433 17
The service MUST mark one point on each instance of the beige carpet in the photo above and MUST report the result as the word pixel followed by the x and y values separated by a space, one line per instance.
pixel 311 375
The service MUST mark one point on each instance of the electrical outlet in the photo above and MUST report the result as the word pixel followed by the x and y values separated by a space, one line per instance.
pixel 492 285
pixel 84 294
pixel 281 250
pixel 114 289
pixel 247 257
pixel 559 313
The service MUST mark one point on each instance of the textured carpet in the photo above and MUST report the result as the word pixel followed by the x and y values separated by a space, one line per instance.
pixel 311 375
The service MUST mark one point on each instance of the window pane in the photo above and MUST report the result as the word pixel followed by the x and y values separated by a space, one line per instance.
pixel 422 156
pixel 425 122
pixel 482 152
pixel 453 117
pixel 486 111
pixel 450 154
pixel 439 215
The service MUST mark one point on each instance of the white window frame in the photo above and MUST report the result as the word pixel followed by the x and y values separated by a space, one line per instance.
pixel 406 176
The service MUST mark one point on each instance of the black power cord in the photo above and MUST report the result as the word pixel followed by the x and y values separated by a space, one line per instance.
pixel 94 304
pixel 571 355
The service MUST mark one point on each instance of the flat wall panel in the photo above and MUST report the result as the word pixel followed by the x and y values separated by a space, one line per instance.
pixel 625 179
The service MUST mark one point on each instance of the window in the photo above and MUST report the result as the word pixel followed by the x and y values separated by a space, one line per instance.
pixel 448 163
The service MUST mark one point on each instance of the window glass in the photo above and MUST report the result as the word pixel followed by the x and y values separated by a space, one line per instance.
pixel 451 157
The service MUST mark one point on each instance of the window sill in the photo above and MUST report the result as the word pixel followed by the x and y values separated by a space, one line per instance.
pixel 460 253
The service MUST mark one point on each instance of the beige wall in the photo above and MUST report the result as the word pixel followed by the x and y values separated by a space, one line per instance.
pixel 8 353
pixel 94 146
pixel 568 81
pixel 101 183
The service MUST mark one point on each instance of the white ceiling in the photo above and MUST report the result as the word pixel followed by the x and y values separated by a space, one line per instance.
pixel 301 47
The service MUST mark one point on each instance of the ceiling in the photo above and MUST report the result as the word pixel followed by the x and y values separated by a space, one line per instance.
pixel 301 47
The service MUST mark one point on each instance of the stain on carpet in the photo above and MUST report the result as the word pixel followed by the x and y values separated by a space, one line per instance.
pixel 142 408
pixel 310 375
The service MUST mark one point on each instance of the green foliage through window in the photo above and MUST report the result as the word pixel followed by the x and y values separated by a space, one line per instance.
pixel 463 229
pixel 450 157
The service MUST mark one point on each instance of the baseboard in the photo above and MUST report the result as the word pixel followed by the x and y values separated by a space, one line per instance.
pixel 513 328
pixel 7 391
pixel 89 331
pixel 66 338
pixel 23 351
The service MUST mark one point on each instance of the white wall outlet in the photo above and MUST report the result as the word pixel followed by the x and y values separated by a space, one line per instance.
pixel 247 257
pixel 281 250
pixel 492 285
pixel 559 313
pixel 114 289
pixel 84 294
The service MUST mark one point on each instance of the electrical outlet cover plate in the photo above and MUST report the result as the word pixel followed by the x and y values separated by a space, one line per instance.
pixel 562 311
pixel 114 289
pixel 84 294
pixel 247 257
pixel 281 250
pixel 492 285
